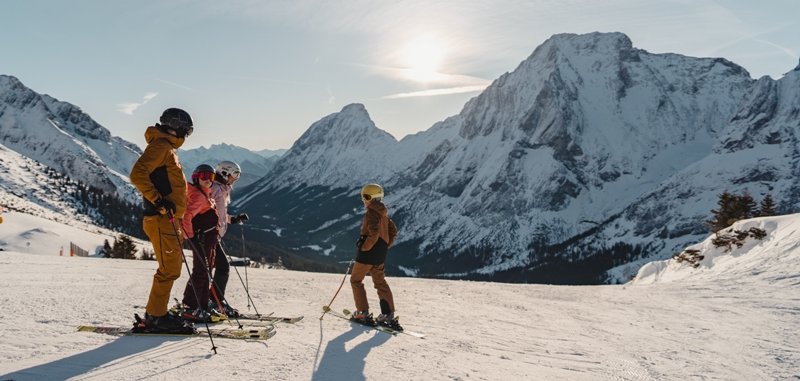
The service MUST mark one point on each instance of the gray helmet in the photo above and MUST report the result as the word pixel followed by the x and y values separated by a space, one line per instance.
pixel 177 120
pixel 228 168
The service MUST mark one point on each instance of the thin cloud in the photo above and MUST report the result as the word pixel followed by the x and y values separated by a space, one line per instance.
pixel 785 50
pixel 455 80
pixel 130 108
pixel 178 85
pixel 437 92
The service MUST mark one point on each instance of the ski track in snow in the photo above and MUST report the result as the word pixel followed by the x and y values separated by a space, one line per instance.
pixel 706 330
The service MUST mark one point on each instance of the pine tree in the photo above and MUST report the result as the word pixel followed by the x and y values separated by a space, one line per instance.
pixel 106 249
pixel 124 248
pixel 745 206
pixel 732 208
pixel 724 216
pixel 767 207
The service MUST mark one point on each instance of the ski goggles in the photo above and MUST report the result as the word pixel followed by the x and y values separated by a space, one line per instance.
pixel 203 176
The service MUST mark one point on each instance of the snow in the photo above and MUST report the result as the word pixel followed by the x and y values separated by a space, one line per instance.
pixel 774 259
pixel 735 317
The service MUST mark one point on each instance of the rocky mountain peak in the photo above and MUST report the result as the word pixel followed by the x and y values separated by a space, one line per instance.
pixel 342 145
pixel 350 127
pixel 61 136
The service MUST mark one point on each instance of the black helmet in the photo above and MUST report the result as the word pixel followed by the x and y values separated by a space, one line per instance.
pixel 204 172
pixel 178 121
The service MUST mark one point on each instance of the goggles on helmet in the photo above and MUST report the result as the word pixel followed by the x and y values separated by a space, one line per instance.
pixel 234 174
pixel 203 176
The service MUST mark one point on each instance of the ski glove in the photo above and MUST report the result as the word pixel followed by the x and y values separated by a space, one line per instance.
pixel 361 241
pixel 240 218
pixel 164 205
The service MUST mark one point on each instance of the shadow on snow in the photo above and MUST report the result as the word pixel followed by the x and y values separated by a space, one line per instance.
pixel 338 363
pixel 93 360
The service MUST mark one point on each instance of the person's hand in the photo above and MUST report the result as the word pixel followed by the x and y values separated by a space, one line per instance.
pixel 165 205
pixel 361 241
pixel 240 218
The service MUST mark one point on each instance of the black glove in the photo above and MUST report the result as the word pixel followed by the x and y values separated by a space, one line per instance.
pixel 361 241
pixel 164 205
pixel 239 219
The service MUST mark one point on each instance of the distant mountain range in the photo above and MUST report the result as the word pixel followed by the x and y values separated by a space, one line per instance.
pixel 255 164
pixel 590 157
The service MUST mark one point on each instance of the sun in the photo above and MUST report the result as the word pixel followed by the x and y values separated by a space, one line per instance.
pixel 422 59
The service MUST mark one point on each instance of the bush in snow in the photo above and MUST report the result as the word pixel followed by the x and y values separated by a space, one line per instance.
pixel 737 237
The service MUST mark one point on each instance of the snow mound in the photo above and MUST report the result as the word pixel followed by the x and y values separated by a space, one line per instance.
pixel 774 259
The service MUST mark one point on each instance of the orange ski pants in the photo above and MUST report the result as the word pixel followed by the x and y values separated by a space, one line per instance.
pixel 168 252
pixel 360 271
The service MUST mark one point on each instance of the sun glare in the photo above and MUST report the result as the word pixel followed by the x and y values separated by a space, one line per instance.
pixel 423 58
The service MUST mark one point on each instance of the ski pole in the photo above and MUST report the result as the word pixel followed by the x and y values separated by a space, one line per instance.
pixel 189 271
pixel 246 289
pixel 247 281
pixel 211 280
pixel 327 308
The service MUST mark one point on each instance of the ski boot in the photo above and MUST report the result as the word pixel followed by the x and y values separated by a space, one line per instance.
pixel 169 323
pixel 225 309
pixel 363 317
pixel 196 315
pixel 389 321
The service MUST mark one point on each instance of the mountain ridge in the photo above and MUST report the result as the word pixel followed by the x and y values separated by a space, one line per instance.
pixel 557 161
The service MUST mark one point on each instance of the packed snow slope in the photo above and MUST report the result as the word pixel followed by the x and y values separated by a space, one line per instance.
pixel 735 317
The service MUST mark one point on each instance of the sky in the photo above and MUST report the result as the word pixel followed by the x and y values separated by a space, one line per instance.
pixel 258 73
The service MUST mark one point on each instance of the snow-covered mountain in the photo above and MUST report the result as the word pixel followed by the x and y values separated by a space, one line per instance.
pixel 255 165
pixel 269 153
pixel 590 154
pixel 63 137
pixel 33 188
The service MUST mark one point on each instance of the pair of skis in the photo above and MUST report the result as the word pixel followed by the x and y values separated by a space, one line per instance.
pixel 260 333
pixel 270 318
pixel 226 332
pixel 347 315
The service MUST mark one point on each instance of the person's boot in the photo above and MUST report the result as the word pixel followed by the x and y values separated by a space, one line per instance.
pixel 363 317
pixel 168 323
pixel 389 320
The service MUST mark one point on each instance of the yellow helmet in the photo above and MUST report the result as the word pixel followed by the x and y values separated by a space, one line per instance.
pixel 371 191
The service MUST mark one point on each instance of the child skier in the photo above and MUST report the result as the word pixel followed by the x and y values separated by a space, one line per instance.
pixel 227 174
pixel 200 225
pixel 377 235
